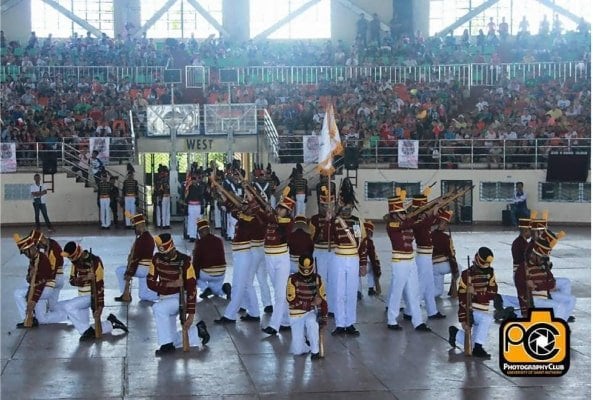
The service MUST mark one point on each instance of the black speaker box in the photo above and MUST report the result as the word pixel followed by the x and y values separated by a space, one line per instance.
pixel 351 158
pixel 172 76
pixel 568 167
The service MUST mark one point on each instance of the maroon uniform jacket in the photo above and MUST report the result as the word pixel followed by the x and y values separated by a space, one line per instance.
pixel 209 255
pixel 163 271
pixel 86 264
pixel 518 250
pixel 485 289
pixel 346 240
pixel 540 275
pixel 43 277
pixel 443 250
pixel 402 238
pixel 301 291
pixel 321 231
pixel 142 253
pixel 277 231
pixel 371 252
pixel 300 243
pixel 54 254
pixel 422 236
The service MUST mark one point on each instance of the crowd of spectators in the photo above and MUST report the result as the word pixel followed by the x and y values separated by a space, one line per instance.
pixel 372 46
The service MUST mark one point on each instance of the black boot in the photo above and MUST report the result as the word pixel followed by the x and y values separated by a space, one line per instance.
pixel 498 308
pixel 480 352
pixel 438 315
pixel 371 291
pixel 116 323
pixel 206 293
pixel 315 356
pixel 165 349
pixel 268 309
pixel 203 332
pixel 351 330
pixel 422 328
pixel 452 334
pixel 359 295
pixel 224 320
pixel 269 330
pixel 21 325
pixel 89 334
pixel 226 288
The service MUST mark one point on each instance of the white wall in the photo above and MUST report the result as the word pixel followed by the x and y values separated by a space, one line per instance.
pixel 70 203
pixel 482 211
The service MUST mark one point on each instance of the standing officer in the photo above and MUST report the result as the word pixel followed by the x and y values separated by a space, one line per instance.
pixel 194 197
pixel 130 192
pixel 113 199
pixel 482 288
pixel 163 199
pixel 104 200
pixel 349 261
pixel 138 262
pixel 87 274
pixel 374 269
pixel 39 192
pixel 404 276
pixel 169 271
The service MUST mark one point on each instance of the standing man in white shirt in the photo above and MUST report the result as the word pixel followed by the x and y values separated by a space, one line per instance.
pixel 39 194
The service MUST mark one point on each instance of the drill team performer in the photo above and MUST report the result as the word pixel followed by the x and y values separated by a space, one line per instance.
pixel 169 271
pixel 53 251
pixel 443 253
pixel 138 261
pixel 87 268
pixel 305 294
pixel 210 263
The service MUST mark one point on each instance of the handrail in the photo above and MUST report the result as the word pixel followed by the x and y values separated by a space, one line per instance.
pixel 271 134
pixel 468 74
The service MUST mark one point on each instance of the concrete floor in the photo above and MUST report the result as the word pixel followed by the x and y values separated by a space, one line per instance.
pixel 240 362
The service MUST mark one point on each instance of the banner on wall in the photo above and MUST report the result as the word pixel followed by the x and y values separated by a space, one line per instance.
pixel 310 149
pixel 407 153
pixel 8 157
pixel 101 144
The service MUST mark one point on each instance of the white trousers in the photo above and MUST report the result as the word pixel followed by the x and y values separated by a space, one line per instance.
pixel 426 283
pixel 562 304
pixel 242 289
pixel 130 206
pixel 510 301
pixel 370 277
pixel 43 315
pixel 205 280
pixel 163 212
pixel 482 322
pixel 105 212
pixel 144 293
pixel 258 258
pixel 404 282
pixel 78 313
pixel 346 285
pixel 301 328
pixel 230 225
pixel 294 265
pixel 325 264
pixel 278 266
pixel 564 286
pixel 52 302
pixel 166 318
pixel 194 213
pixel 300 208
pixel 439 270
pixel 217 216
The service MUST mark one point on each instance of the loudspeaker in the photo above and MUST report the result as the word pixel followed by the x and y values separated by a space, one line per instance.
pixel 351 158
pixel 228 76
pixel 506 218
pixel 568 167
pixel 172 76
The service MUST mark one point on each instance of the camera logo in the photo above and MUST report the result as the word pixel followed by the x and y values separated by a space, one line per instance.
pixel 535 346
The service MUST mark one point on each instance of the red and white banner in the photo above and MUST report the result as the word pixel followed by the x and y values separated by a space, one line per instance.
pixel 101 144
pixel 407 153
pixel 7 157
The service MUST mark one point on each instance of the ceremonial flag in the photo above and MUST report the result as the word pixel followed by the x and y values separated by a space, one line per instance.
pixel 330 144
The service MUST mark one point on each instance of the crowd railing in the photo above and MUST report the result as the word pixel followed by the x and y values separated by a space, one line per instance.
pixel 446 154
pixel 470 74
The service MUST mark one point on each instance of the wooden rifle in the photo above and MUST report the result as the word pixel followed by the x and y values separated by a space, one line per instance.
pixel 28 322
pixel 467 343
pixel 260 201
pixel 126 295
pixel 183 309
pixel 232 197
pixel 453 286
pixel 318 310
pixel 94 297
pixel 441 201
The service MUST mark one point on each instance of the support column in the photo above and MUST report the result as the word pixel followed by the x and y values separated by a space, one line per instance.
pixel 235 19
pixel 421 16
pixel 126 11
pixel 16 21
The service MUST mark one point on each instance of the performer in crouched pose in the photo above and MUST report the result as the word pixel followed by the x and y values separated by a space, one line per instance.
pixel 170 272
pixel 307 306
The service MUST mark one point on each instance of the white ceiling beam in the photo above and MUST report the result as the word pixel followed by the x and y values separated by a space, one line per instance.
pixel 90 28
pixel 357 10
pixel 280 23
pixel 153 20
pixel 208 17
pixel 462 20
